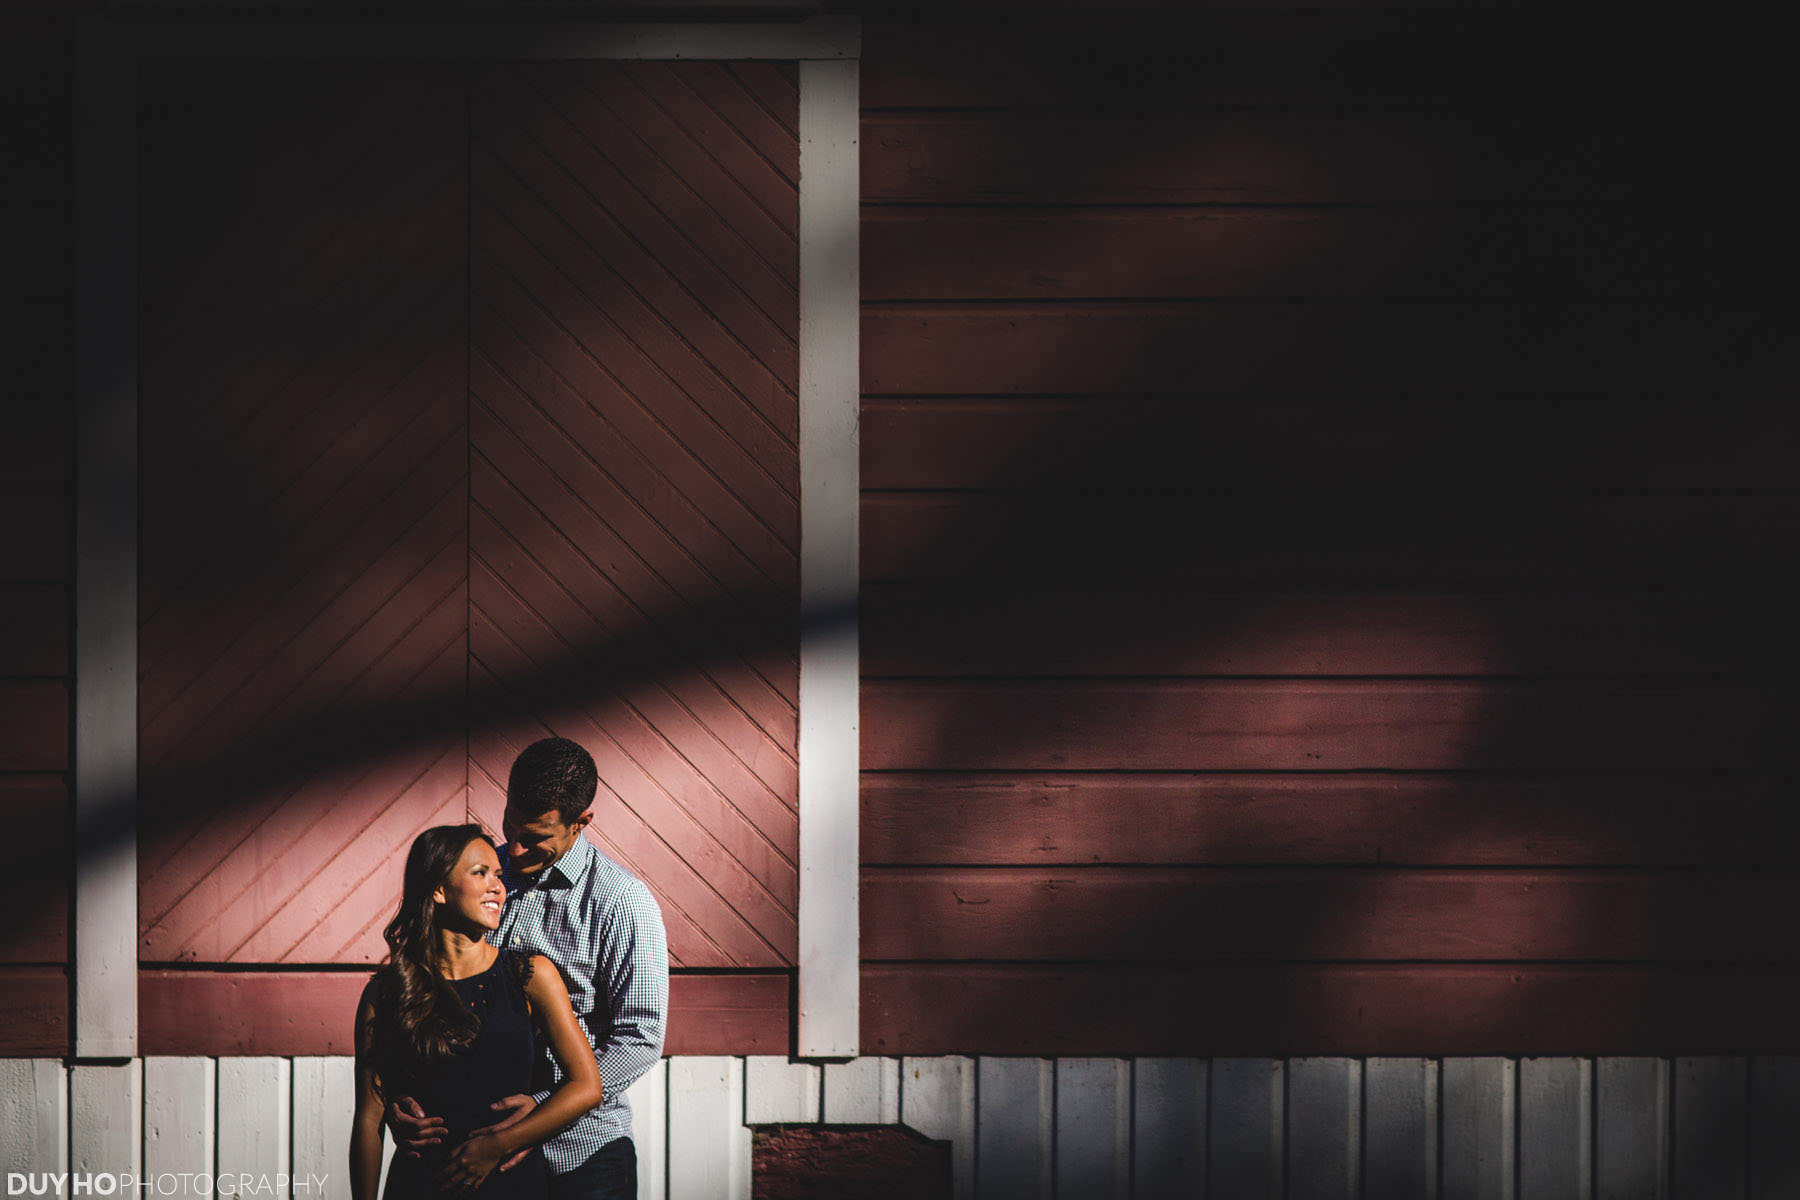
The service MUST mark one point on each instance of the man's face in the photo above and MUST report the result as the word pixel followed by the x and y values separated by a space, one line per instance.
pixel 533 842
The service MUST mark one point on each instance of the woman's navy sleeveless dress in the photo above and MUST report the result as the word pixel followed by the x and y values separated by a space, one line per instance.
pixel 460 1087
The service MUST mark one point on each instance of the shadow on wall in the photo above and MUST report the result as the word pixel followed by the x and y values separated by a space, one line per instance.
pixel 1521 545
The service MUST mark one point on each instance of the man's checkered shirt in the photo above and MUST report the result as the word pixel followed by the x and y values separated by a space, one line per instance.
pixel 602 927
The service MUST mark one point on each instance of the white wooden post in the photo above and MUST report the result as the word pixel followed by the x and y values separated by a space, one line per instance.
pixel 106 525
pixel 830 498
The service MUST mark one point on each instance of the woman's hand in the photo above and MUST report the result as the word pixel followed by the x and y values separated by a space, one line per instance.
pixel 471 1163
pixel 516 1108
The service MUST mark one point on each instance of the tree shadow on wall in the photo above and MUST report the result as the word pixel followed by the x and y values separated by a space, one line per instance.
pixel 1549 470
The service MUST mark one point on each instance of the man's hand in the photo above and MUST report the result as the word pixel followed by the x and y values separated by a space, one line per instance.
pixel 413 1130
pixel 516 1108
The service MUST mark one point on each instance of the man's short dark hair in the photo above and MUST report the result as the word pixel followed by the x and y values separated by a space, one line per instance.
pixel 552 773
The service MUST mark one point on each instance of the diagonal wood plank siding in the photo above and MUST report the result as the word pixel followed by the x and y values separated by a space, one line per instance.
pixel 635 472
pixel 304 501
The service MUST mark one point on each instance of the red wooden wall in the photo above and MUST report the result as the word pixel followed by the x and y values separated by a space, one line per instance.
pixel 470 415
pixel 1319 503
pixel 1328 492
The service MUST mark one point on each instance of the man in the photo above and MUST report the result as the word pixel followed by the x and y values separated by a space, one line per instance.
pixel 604 931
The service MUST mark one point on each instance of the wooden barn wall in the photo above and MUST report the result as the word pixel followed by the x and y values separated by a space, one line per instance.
pixel 1327 487
pixel 1324 484
pixel 470 416
pixel 37 440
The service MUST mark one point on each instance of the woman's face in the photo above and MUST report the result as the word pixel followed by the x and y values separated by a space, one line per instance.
pixel 474 892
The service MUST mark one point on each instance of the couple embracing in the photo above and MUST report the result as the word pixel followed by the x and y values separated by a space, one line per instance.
pixel 526 986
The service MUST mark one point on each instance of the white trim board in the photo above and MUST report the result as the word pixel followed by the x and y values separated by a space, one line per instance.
pixel 810 39
pixel 827 48
pixel 830 486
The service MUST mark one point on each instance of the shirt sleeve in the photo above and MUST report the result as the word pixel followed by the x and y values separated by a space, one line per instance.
pixel 634 977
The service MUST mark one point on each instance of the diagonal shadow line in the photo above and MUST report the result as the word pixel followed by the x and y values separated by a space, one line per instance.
pixel 572 598
pixel 656 785
pixel 618 855
pixel 381 917
pixel 430 661
pixel 662 685
pixel 720 686
pixel 322 604
pixel 350 841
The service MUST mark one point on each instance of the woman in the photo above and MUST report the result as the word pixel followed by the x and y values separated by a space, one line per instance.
pixel 448 1020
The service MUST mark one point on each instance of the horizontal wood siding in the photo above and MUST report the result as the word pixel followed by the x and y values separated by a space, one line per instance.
pixel 312 1012
pixel 1317 512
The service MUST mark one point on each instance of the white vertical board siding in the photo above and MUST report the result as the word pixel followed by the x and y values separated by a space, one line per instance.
pixel 180 1130
pixel 1479 1099
pixel 1638 1128
pixel 324 1102
pixel 830 507
pixel 1400 1127
pixel 254 1096
pixel 1324 1128
pixel 649 1100
pixel 1015 1116
pixel 1709 1143
pixel 106 1116
pixel 937 1098
pixel 778 1092
pixel 1244 1135
pixel 709 1144
pixel 1555 1141
pixel 1631 1134
pixel 1168 1147
pixel 1774 1128
pixel 863 1091
pixel 1093 1128
pixel 34 1116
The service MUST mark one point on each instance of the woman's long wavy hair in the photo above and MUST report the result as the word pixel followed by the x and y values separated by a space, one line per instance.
pixel 419 1017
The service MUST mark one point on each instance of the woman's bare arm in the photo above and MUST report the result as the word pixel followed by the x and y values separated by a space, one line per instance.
pixel 365 1125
